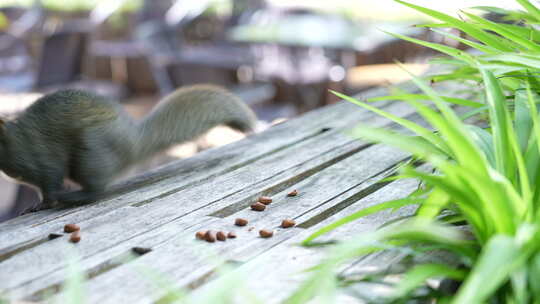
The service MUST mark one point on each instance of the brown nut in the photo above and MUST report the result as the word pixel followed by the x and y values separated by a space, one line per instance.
pixel 258 207
pixel 231 235
pixel 265 200
pixel 210 236
pixel 75 237
pixel 69 228
pixel 287 223
pixel 293 193
pixel 240 222
pixel 221 236
pixel 266 233
pixel 200 235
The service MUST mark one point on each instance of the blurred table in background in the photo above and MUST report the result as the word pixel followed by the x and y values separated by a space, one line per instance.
pixel 306 54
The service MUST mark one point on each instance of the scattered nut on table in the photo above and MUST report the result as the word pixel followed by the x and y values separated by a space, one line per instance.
pixel 75 237
pixel 265 200
pixel 266 233
pixel 293 193
pixel 287 223
pixel 210 236
pixel 200 235
pixel 231 235
pixel 69 228
pixel 221 236
pixel 240 222
pixel 258 207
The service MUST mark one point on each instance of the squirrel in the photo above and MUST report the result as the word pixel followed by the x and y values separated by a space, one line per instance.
pixel 90 139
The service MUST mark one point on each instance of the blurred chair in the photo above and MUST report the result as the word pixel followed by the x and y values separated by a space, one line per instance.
pixel 63 58
pixel 60 60
pixel 175 63
pixel 16 63
pixel 303 69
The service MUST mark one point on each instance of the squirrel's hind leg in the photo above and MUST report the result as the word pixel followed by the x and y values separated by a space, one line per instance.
pixel 79 197
pixel 93 188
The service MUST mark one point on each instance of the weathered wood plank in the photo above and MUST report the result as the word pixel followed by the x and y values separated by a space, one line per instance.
pixel 271 274
pixel 256 171
pixel 252 247
pixel 107 231
pixel 275 274
pixel 175 202
pixel 101 236
pixel 210 163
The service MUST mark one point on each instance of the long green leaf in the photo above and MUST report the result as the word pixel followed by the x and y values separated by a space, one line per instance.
pixel 457 136
pixel 359 214
pixel 414 144
pixel 450 51
pixel 484 140
pixel 498 259
pixel 423 132
pixel 419 274
pixel 533 10
pixel 452 100
pixel 499 118
pixel 505 32
pixel 474 31
pixel 522 59
pixel 481 47
pixel 433 205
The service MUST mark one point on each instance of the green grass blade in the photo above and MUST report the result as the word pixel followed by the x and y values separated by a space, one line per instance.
pixel 522 59
pixel 452 100
pixel 499 118
pixel 416 128
pixel 454 131
pixel 434 234
pixel 415 144
pixel 504 32
pixel 462 195
pixel 450 51
pixel 522 119
pixel 359 214
pixel 484 140
pixel 433 205
pixel 533 154
pixel 420 273
pixel 534 274
pixel 527 33
pixel 500 256
pixel 473 113
pixel 533 10
pixel 481 47
pixel 473 31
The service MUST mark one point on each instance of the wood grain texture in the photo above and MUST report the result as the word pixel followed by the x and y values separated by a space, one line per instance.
pixel 316 186
pixel 334 174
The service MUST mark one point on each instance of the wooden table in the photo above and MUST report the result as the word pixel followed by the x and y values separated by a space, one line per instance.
pixel 334 174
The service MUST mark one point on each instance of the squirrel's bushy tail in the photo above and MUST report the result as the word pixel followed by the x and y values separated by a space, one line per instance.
pixel 188 113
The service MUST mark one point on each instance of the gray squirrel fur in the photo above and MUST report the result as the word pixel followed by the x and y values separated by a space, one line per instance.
pixel 90 139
